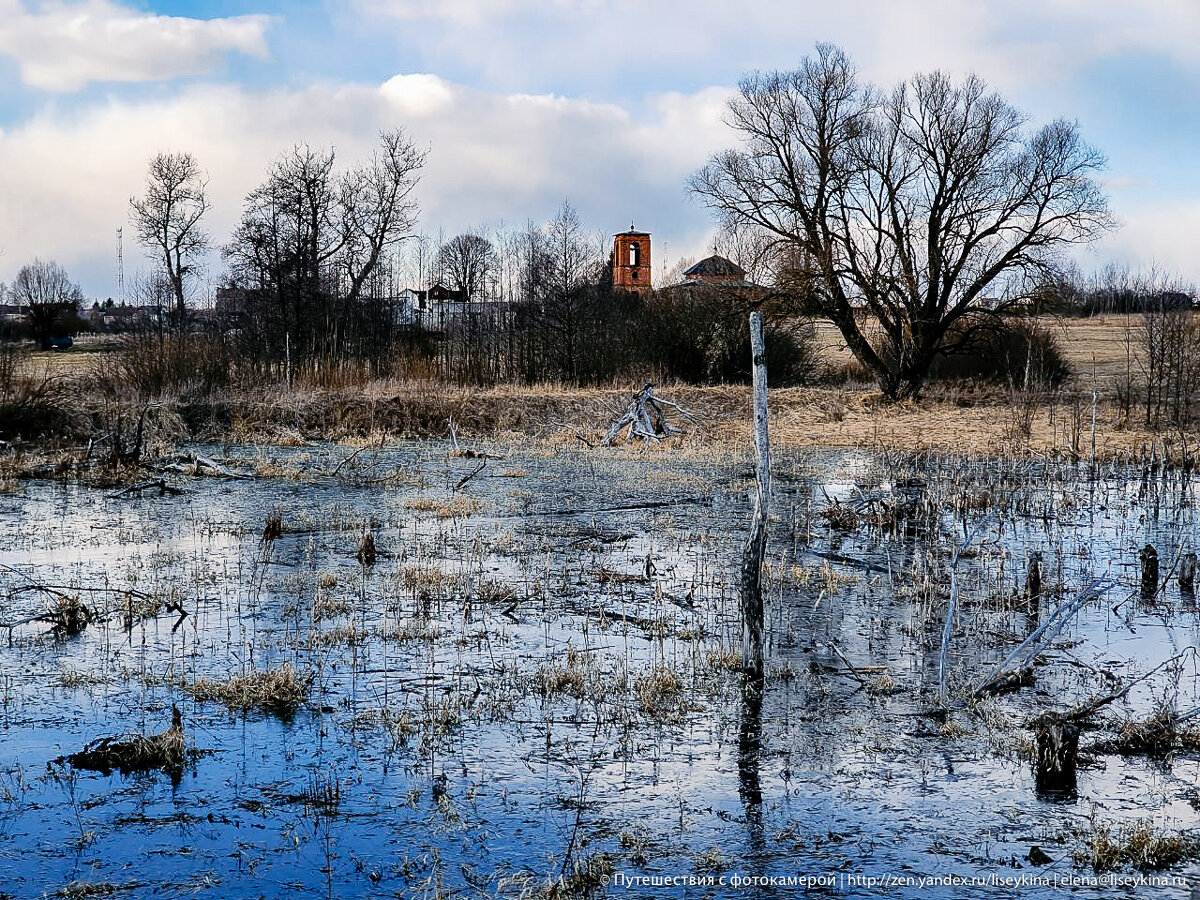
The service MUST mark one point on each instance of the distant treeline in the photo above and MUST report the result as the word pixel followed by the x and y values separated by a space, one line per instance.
pixel 1114 289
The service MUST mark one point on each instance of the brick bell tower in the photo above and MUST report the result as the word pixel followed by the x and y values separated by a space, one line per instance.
pixel 631 261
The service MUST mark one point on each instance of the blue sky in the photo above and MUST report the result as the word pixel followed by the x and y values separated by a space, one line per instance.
pixel 525 103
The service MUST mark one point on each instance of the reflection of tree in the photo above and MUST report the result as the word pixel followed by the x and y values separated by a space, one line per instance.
pixel 749 751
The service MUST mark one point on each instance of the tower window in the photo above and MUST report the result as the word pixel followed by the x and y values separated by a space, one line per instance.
pixel 634 274
pixel 635 254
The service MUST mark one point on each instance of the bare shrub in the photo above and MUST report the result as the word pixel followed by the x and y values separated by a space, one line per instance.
pixel 156 365
pixel 1167 351
pixel 31 405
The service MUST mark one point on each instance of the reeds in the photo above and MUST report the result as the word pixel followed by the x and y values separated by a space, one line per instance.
pixel 281 690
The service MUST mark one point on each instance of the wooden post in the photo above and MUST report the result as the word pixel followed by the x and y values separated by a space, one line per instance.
pixel 1033 579
pixel 756 544
pixel 1187 574
pixel 1149 558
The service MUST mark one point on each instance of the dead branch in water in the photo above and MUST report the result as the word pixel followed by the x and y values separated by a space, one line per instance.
pixel 164 752
pixel 196 465
pixel 646 418
pixel 1046 632
pixel 161 486
pixel 952 607
pixel 470 475
pixel 1086 710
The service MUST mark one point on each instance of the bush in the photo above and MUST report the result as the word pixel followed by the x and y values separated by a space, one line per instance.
pixel 187 365
pixel 700 335
pixel 1017 352
pixel 31 405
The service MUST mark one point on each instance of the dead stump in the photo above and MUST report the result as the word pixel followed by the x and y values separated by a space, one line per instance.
pixel 1033 579
pixel 1187 574
pixel 1149 560
pixel 1057 757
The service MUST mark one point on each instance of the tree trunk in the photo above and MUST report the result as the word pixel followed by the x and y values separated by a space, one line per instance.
pixel 1187 574
pixel 756 545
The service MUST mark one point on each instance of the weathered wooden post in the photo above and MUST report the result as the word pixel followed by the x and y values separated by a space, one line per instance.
pixel 1033 579
pixel 756 544
pixel 1187 574
pixel 1149 559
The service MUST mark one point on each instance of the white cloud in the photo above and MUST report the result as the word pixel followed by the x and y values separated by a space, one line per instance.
pixel 65 46
pixel 1013 45
pixel 493 157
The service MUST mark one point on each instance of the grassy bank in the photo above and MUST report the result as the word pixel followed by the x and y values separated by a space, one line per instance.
pixel 117 398
pixel 967 419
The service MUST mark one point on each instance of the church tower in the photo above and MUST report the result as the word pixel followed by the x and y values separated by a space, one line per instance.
pixel 631 261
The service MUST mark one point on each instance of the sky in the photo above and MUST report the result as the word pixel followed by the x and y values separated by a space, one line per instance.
pixel 522 104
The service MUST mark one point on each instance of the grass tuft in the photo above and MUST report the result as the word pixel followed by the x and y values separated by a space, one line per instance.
pixel 279 690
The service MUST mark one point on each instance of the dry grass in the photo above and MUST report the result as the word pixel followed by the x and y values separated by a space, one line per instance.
pixel 1159 733
pixel 1138 844
pixel 962 418
pixel 570 678
pixel 136 753
pixel 660 692
pixel 279 690
pixel 445 508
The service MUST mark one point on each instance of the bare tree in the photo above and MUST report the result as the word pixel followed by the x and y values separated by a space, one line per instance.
pixel 311 240
pixel 468 261
pixel 923 207
pixel 167 219
pixel 376 207
pixel 572 263
pixel 47 293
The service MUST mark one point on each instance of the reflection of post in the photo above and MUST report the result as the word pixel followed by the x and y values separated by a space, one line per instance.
pixel 756 545
pixel 749 750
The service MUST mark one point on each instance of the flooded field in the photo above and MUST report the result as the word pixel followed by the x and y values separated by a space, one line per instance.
pixel 403 673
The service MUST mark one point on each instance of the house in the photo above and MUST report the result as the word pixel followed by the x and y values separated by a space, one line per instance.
pixel 121 317
pixel 437 307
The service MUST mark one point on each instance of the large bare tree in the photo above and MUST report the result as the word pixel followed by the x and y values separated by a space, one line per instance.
pixel 47 294
pixel 905 212
pixel 468 262
pixel 167 219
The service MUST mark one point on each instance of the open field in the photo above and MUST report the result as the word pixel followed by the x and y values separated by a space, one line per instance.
pixel 1095 347
pixel 959 417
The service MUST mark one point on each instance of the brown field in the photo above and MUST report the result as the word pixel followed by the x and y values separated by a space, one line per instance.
pixel 1095 347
